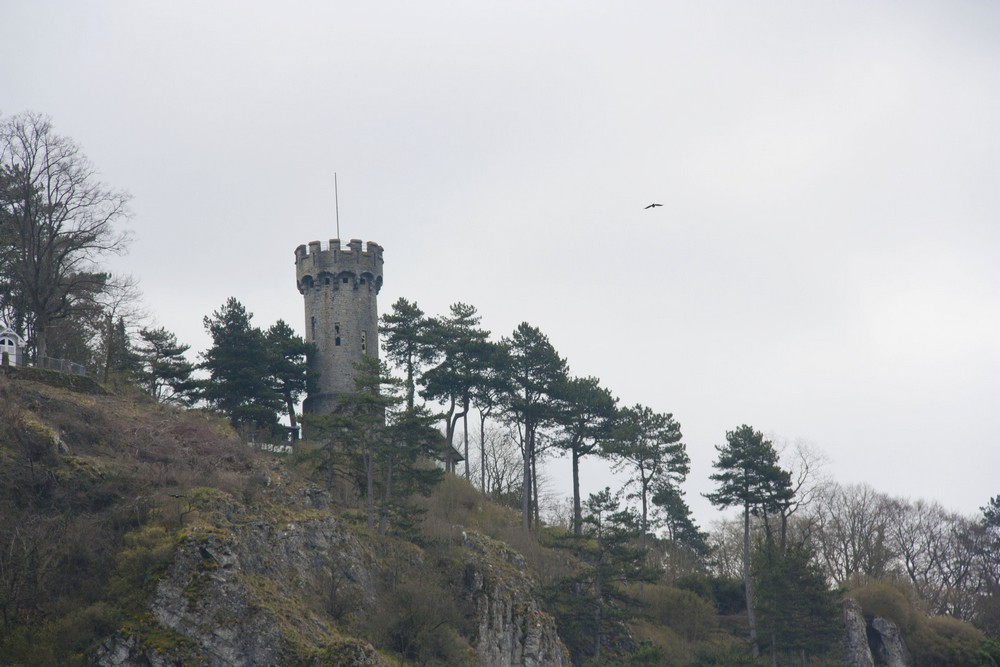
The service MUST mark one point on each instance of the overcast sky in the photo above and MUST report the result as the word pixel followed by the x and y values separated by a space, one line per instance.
pixel 825 266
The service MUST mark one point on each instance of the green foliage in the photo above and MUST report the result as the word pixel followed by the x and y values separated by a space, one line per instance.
pixel 119 361
pixel 536 371
pixel 144 556
pixel 286 369
pixel 239 364
pixel 592 606
pixel 690 616
pixel 724 593
pixel 942 641
pixel 422 620
pixel 798 613
pixel 384 449
pixel 586 414
pixel 464 357
pixel 647 447
pixel 676 517
pixel 987 606
pixel 724 654
pixel 405 339
pixel 748 474
pixel 165 373
pixel 749 477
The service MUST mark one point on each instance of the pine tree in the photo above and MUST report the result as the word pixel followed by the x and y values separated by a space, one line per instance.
pixel 798 612
pixel 647 446
pixel 749 477
pixel 586 414
pixel 536 372
pixel 287 368
pixel 165 373
pixel 617 559
pixel 239 365
pixel 462 347
pixel 405 341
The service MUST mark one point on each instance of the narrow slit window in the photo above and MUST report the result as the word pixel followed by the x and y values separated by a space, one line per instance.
pixel 364 342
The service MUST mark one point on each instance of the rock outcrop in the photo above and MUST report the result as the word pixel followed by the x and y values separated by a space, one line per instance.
pixel 856 650
pixel 253 594
pixel 872 644
pixel 242 589
pixel 887 644
pixel 513 630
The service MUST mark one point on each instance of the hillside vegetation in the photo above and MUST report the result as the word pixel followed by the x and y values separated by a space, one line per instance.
pixel 133 533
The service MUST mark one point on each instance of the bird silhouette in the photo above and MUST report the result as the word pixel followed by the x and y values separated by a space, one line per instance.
pixel 652 205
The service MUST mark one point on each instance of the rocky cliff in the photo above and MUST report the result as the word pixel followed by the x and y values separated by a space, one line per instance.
pixel 250 590
pixel 279 587
pixel 513 630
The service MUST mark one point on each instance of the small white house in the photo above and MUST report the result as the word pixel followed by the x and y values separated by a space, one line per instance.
pixel 11 347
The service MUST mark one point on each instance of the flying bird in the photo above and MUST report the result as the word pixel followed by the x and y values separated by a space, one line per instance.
pixel 652 205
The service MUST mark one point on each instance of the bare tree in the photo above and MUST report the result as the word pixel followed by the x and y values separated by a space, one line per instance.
pixel 938 552
pixel 725 539
pixel 851 526
pixel 58 221
pixel 119 303
pixel 806 466
pixel 501 465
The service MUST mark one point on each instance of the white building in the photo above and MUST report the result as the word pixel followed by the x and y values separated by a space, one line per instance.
pixel 11 347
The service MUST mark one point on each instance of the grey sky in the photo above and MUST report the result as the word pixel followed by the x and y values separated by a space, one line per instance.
pixel 824 266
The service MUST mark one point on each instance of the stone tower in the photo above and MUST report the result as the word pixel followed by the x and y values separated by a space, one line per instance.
pixel 340 287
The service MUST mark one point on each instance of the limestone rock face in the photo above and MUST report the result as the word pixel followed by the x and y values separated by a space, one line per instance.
pixel 513 630
pixel 856 650
pixel 888 644
pixel 243 597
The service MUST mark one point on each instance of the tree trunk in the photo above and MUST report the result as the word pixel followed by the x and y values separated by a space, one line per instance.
pixel 370 490
pixel 577 512
pixel 386 500
pixel 41 341
pixel 293 425
pixel 465 438
pixel 482 451
pixel 534 485
pixel 526 485
pixel 747 587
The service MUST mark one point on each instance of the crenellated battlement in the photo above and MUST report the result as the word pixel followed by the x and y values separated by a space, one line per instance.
pixel 313 261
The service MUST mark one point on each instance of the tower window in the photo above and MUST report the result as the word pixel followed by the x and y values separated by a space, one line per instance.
pixel 326 281
pixel 336 330
pixel 364 342
pixel 344 280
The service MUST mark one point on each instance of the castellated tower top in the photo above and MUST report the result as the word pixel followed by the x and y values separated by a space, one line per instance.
pixel 316 266
pixel 339 287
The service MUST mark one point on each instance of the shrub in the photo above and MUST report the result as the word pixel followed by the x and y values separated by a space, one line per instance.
pixel 942 641
pixel 889 600
pixel 692 617
pixel 418 620
pixel 726 594
pixel 145 556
